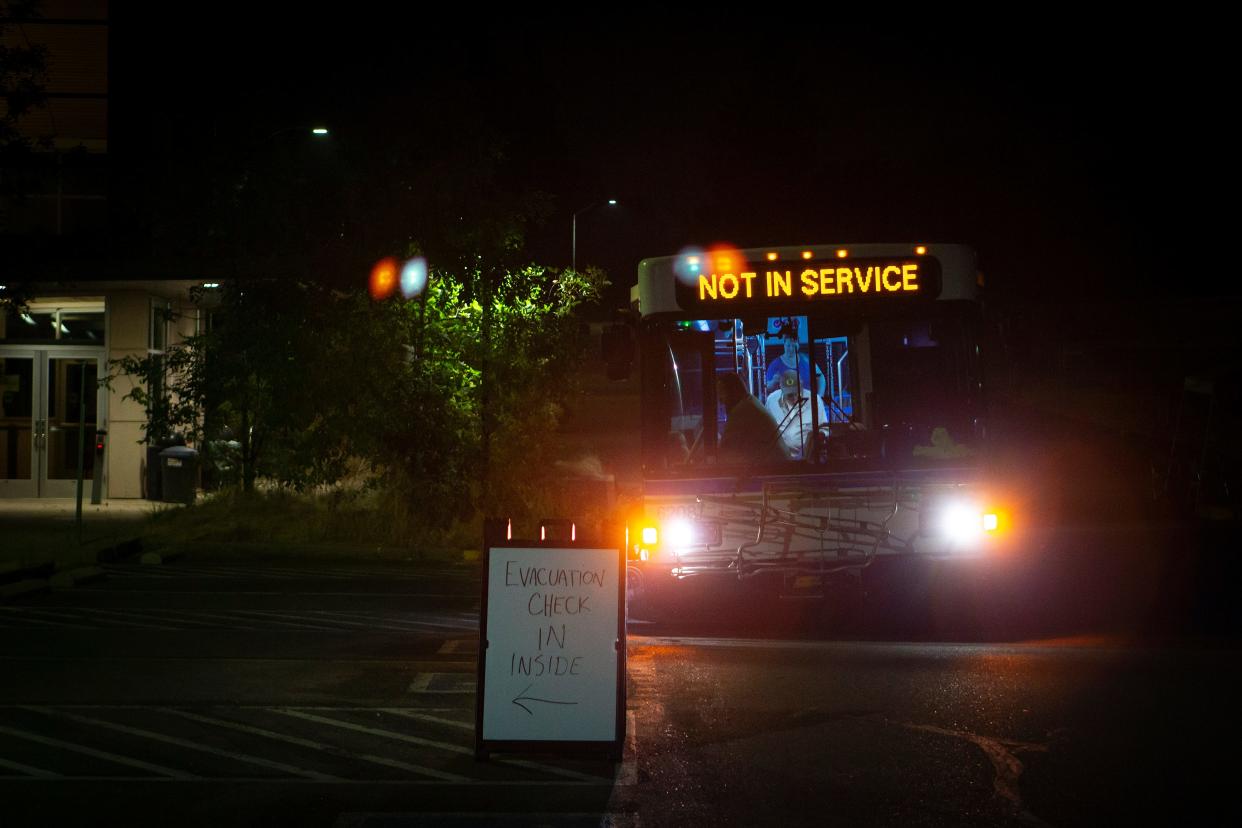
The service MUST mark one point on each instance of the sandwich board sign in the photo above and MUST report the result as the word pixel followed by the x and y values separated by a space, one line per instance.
pixel 552 649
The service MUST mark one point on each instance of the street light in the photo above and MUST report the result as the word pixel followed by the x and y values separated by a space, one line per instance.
pixel 319 131
pixel 612 202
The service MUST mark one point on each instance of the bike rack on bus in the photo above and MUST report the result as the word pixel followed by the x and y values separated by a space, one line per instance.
pixel 846 534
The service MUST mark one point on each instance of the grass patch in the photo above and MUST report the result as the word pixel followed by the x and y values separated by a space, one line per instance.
pixel 281 522
pixel 55 543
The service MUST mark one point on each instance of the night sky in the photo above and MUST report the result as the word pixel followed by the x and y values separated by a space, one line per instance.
pixel 1077 158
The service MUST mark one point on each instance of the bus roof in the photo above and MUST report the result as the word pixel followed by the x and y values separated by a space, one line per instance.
pixel 655 292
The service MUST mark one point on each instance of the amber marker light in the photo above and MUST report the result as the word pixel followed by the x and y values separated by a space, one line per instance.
pixel 771 257
pixel 841 254
pixel 921 250
pixel 806 254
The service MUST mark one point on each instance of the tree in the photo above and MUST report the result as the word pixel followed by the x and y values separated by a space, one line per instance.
pixel 253 381
pixel 302 378
pixel 23 75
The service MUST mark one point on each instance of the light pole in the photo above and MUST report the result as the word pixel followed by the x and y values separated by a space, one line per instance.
pixel 612 202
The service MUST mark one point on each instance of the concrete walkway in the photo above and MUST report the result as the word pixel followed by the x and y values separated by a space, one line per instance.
pixel 25 511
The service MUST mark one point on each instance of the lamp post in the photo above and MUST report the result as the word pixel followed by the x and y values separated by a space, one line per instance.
pixel 612 202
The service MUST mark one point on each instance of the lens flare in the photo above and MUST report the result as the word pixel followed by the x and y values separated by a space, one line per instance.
pixel 726 258
pixel 414 277
pixel 383 278
pixel 681 533
pixel 690 262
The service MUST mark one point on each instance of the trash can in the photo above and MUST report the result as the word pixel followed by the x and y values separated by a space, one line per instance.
pixel 178 474
pixel 155 465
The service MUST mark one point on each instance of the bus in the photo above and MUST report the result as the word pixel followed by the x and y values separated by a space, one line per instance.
pixel 806 412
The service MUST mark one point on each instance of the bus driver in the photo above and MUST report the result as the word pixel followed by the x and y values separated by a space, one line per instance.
pixel 791 406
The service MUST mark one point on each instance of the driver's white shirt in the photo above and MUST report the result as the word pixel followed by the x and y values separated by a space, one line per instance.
pixel 793 434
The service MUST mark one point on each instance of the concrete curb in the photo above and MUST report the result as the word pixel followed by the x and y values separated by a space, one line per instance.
pixel 265 550
pixel 19 588
pixel 72 577
pixel 161 557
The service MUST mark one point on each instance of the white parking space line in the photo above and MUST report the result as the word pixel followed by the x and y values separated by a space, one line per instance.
pixel 89 620
pixel 28 770
pixel 184 743
pixel 405 737
pixel 363 615
pixel 519 763
pixel 422 717
pixel 124 619
pixel 273 618
pixel 234 622
pixel 373 624
pixel 250 593
pixel 180 570
pixel 24 614
pixel 171 616
pixel 136 572
pixel 265 572
pixel 611 819
pixel 331 749
pixel 461 682
pixel 370 783
pixel 375 731
pixel 98 754
pixel 411 625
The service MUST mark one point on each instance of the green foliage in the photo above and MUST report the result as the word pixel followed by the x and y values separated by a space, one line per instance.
pixel 452 399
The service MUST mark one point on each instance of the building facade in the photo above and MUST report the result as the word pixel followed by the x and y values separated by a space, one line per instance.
pixel 66 340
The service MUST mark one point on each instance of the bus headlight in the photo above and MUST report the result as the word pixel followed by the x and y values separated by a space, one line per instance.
pixel 680 533
pixel 962 523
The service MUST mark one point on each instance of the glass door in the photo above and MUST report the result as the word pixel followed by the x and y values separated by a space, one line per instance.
pixel 19 380
pixel 43 424
pixel 69 427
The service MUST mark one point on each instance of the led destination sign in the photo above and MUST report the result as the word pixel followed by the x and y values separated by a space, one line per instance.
pixel 810 282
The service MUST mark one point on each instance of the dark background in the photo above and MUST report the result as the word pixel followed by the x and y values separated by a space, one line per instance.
pixel 1081 158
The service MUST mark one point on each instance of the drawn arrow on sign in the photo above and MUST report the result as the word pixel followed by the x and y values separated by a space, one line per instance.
pixel 521 697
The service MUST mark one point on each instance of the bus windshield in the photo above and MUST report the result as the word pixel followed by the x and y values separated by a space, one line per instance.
pixel 791 393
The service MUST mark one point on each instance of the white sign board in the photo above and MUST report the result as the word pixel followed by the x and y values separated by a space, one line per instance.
pixel 550 667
